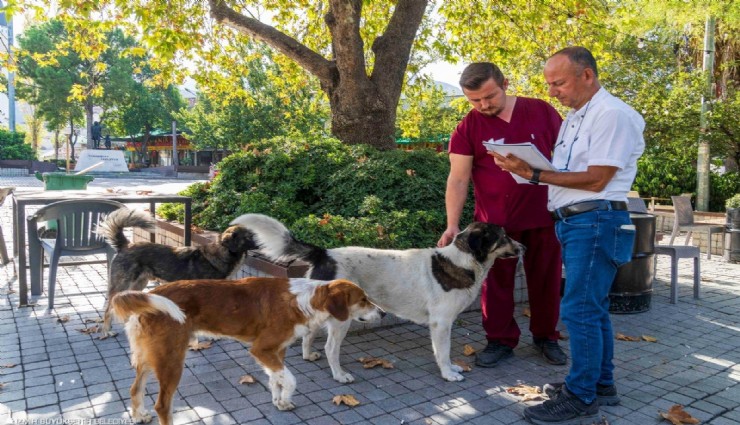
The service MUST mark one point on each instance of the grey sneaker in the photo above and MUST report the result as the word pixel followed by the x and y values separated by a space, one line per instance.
pixel 606 394
pixel 493 354
pixel 564 409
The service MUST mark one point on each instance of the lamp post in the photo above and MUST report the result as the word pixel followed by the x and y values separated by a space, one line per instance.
pixel 7 21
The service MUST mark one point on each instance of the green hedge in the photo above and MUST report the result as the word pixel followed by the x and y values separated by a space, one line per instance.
pixel 12 146
pixel 329 193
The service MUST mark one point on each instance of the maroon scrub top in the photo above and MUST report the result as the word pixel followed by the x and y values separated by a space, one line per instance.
pixel 498 198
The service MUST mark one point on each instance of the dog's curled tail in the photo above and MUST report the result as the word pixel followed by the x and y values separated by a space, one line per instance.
pixel 127 303
pixel 274 239
pixel 112 227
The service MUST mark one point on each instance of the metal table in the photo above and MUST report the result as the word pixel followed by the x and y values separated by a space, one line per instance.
pixel 22 200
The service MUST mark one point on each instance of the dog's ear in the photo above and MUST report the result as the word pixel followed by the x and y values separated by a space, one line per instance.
pixel 480 241
pixel 337 301
pixel 238 239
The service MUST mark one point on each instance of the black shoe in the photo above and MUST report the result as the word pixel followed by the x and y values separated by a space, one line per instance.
pixel 493 354
pixel 565 409
pixel 551 351
pixel 606 394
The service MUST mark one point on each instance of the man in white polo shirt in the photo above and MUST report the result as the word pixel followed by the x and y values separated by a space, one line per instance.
pixel 596 152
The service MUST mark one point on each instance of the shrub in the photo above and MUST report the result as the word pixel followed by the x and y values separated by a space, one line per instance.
pixel 329 193
pixel 12 146
pixel 733 202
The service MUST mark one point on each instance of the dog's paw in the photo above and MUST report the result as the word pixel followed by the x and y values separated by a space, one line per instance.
pixel 142 417
pixel 312 356
pixel 452 376
pixel 283 404
pixel 344 377
pixel 456 368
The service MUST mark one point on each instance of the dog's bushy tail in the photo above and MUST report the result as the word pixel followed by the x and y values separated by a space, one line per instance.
pixel 126 303
pixel 275 240
pixel 112 227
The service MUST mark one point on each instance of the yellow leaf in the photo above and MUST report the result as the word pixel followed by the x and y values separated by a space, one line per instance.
pixel 371 362
pixel 622 337
pixel 63 319
pixel 527 312
pixel 8 365
pixel 649 338
pixel 347 399
pixel 247 379
pixel 468 350
pixel 88 331
pixel 201 346
pixel 678 416
pixel 526 392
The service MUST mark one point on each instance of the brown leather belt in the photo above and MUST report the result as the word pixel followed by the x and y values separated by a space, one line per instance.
pixel 586 206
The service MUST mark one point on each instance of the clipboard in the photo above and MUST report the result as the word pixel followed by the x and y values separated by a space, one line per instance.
pixel 527 152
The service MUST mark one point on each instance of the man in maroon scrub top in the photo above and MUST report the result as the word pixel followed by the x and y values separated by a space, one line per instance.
pixel 521 209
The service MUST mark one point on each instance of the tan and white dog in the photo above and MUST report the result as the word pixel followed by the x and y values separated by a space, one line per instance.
pixel 269 313
pixel 429 286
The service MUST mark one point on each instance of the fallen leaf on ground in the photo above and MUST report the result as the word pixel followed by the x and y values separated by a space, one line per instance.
pixel 2 385
pixel 8 365
pixel 678 416
pixel 200 346
pixel 411 172
pixel 528 393
pixel 108 335
pixel 98 320
pixel 527 312
pixel 247 379
pixel 623 337
pixel 649 338
pixel 144 192
pixel 601 421
pixel 463 364
pixel 347 399
pixel 88 331
pixel 428 421
pixel 63 319
pixel 371 362
pixel 468 350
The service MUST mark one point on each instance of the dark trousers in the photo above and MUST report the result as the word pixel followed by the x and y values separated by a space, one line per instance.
pixel 543 269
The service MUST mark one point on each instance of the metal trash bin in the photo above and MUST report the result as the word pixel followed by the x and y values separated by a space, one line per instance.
pixel 632 289
pixel 732 239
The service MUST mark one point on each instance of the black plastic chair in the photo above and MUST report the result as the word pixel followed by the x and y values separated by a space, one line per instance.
pixel 4 259
pixel 76 221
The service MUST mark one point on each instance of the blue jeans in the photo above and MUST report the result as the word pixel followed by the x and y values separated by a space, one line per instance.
pixel 594 245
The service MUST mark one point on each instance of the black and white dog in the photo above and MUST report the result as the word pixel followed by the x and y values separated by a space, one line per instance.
pixel 428 286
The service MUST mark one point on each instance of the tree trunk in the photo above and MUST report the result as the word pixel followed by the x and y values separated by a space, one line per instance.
pixel 56 144
pixel 363 106
pixel 89 120
pixel 362 116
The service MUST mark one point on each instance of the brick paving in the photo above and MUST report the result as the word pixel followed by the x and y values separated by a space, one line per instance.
pixel 51 372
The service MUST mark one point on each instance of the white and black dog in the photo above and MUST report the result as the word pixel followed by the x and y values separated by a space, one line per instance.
pixel 428 286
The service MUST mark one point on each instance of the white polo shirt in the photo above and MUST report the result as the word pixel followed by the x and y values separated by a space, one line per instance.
pixel 605 131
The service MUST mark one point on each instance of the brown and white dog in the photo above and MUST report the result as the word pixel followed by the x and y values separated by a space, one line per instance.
pixel 136 264
pixel 269 313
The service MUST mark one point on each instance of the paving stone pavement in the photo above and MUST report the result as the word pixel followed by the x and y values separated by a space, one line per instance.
pixel 50 372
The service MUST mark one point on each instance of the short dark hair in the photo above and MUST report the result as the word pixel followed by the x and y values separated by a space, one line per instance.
pixel 580 56
pixel 475 74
